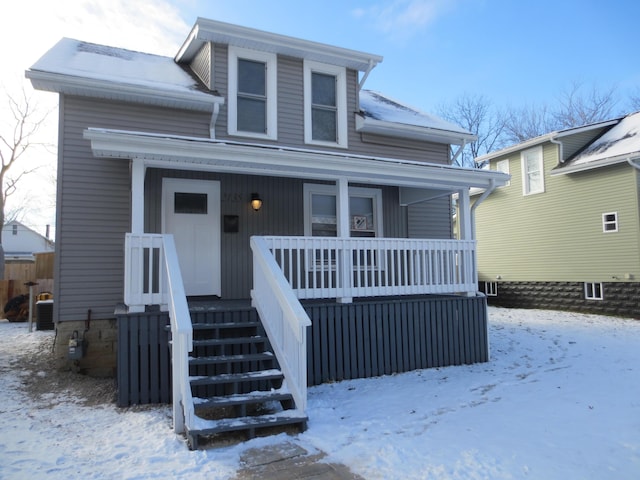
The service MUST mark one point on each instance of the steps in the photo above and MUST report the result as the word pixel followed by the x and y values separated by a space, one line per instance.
pixel 236 383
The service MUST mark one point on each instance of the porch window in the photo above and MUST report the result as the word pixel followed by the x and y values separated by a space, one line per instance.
pixel 532 171
pixel 252 93
pixel 365 207
pixel 325 106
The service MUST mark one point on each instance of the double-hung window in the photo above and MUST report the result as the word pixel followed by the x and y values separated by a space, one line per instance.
pixel 252 93
pixel 503 166
pixel 325 104
pixel 532 171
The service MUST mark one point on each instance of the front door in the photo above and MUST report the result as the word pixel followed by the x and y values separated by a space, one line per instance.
pixel 191 212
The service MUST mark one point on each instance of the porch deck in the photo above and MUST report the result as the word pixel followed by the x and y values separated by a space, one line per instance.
pixel 367 338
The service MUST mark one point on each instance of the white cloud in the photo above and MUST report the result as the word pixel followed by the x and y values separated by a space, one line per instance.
pixel 401 19
pixel 30 27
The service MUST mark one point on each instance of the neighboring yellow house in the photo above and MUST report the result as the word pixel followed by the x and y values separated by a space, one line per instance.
pixel 565 232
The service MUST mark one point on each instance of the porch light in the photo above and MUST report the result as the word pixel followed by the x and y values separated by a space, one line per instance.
pixel 256 201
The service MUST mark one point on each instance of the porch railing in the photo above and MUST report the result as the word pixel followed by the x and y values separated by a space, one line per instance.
pixel 283 317
pixel 153 277
pixel 343 268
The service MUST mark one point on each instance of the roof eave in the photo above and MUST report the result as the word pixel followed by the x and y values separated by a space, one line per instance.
pixel 605 162
pixel 413 132
pixel 206 30
pixel 108 90
pixel 272 160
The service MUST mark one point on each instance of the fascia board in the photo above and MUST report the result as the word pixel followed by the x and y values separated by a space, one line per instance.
pixel 597 164
pixel 105 89
pixel 206 30
pixel 309 164
pixel 414 132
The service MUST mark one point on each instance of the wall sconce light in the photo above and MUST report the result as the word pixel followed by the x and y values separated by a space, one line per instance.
pixel 256 201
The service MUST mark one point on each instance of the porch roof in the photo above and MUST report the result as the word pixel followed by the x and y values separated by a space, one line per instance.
pixel 193 153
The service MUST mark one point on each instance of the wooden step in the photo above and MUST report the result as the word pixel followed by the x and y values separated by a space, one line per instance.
pixel 213 326
pixel 210 342
pixel 203 427
pixel 220 359
pixel 271 374
pixel 279 395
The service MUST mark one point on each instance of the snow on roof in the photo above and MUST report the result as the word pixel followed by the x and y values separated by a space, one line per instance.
pixel 620 141
pixel 380 107
pixel 99 62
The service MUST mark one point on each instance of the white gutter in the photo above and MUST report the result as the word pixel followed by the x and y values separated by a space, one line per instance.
pixel 476 204
pixel 632 163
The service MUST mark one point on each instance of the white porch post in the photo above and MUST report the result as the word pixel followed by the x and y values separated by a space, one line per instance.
pixel 344 230
pixel 464 215
pixel 138 169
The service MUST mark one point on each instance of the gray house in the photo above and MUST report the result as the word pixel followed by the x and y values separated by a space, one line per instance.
pixel 288 225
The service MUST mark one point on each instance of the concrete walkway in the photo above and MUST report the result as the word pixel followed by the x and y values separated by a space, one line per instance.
pixel 288 461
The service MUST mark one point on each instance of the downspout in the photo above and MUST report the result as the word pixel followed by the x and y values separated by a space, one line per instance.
pixel 632 163
pixel 366 74
pixel 214 119
pixel 560 147
pixel 476 204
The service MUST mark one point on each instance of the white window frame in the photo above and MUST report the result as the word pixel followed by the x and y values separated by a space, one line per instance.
pixel 491 289
pixel 341 102
pixel 526 187
pixel 593 291
pixel 503 166
pixel 320 189
pixel 613 222
pixel 271 61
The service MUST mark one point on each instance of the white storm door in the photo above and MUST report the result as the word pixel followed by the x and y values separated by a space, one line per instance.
pixel 191 212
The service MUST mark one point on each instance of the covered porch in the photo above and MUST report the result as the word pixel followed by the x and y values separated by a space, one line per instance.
pixel 355 283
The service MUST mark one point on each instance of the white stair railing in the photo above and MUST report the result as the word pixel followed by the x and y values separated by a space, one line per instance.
pixel 284 319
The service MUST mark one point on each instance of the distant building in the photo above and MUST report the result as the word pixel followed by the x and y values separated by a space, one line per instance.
pixel 21 242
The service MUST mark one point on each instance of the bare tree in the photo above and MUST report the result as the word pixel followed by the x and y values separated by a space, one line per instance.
pixel 634 100
pixel 16 137
pixel 580 106
pixel 478 115
pixel 527 122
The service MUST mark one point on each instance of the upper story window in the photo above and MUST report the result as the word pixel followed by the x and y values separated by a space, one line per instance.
pixel 503 166
pixel 325 104
pixel 610 222
pixel 532 171
pixel 252 93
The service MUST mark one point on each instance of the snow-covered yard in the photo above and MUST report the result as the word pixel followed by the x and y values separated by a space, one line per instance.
pixel 560 399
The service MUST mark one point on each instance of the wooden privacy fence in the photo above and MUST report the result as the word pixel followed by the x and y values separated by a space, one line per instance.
pixel 17 274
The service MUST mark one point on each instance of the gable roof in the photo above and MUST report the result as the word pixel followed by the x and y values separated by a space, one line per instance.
pixel 619 144
pixel 383 115
pixel 75 67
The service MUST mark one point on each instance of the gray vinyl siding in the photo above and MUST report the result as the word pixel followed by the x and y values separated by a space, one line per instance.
pixel 201 65
pixel 291 116
pixel 430 219
pixel 94 202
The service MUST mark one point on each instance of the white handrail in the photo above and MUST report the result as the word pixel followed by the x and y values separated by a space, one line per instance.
pixel 285 320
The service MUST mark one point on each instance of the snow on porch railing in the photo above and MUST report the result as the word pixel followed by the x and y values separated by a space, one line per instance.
pixel 343 268
pixel 283 318
pixel 152 276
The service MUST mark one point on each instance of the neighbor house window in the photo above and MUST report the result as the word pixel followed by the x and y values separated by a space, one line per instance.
pixel 610 222
pixel 593 291
pixel 503 166
pixel 325 104
pixel 532 171
pixel 14 229
pixel 320 205
pixel 491 289
pixel 252 106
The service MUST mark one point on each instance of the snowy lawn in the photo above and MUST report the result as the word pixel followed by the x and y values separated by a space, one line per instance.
pixel 560 399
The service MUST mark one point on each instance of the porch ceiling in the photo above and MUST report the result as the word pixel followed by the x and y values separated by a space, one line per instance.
pixel 254 159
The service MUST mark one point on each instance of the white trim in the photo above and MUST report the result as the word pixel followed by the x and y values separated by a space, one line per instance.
pixel 503 166
pixel 366 124
pixel 526 187
pixel 613 222
pixel 341 102
pixel 491 289
pixel 322 189
pixel 271 91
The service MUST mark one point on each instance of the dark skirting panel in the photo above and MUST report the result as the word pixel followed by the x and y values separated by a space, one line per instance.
pixel 385 336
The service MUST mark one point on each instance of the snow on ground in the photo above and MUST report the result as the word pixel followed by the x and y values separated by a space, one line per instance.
pixel 560 399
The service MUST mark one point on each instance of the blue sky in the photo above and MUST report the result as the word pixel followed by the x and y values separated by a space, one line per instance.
pixel 514 52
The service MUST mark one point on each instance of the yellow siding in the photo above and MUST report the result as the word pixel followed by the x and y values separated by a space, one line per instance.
pixel 557 235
